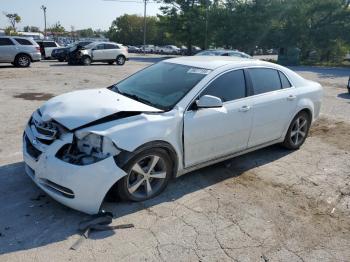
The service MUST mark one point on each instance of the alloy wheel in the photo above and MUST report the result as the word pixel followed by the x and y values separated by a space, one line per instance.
pixel 120 60
pixel 23 61
pixel 146 177
pixel 299 130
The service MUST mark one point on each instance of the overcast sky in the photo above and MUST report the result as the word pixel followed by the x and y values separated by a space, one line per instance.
pixel 97 14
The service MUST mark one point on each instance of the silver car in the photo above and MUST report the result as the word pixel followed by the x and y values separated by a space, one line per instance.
pixel 104 52
pixel 19 51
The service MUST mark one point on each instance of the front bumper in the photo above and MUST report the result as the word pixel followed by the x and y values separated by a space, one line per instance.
pixel 80 187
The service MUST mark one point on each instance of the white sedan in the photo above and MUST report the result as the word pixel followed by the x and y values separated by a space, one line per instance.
pixel 166 120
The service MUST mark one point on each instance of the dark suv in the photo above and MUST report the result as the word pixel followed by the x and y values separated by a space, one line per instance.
pixel 61 53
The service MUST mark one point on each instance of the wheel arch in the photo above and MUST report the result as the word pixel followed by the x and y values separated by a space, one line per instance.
pixel 23 53
pixel 122 158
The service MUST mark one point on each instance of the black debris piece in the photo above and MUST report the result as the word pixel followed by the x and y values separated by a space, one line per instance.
pixel 98 222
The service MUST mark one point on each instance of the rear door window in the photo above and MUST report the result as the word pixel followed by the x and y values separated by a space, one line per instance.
pixel 264 80
pixel 100 46
pixel 229 86
pixel 111 46
pixel 23 41
pixel 5 41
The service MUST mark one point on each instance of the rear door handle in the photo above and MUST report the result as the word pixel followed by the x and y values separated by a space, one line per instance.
pixel 244 109
pixel 291 97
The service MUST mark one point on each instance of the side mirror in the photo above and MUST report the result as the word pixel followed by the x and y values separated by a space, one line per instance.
pixel 208 101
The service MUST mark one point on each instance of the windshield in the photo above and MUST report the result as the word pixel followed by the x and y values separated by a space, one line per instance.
pixel 161 85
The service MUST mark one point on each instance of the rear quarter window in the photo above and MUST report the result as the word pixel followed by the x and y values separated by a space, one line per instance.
pixel 284 80
pixel 23 41
pixel 50 44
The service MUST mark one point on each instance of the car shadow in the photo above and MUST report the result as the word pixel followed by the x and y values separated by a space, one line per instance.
pixel 31 219
pixel 344 95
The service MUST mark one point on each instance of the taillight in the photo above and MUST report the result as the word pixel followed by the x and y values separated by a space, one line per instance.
pixel 37 48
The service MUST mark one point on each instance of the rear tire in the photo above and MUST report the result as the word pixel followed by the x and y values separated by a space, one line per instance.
pixel 22 60
pixel 148 174
pixel 120 60
pixel 297 131
pixel 61 60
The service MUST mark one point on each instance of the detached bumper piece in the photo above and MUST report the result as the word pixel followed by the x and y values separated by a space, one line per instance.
pixel 98 222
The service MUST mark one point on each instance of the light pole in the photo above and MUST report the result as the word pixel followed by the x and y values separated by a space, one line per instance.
pixel 144 16
pixel 44 9
pixel 206 25
pixel 144 27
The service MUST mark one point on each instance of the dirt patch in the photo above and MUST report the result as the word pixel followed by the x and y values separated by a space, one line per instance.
pixel 332 132
pixel 34 96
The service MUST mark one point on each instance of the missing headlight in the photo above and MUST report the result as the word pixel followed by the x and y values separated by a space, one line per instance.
pixel 88 150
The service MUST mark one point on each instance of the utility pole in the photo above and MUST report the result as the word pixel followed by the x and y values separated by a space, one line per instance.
pixel 144 26
pixel 44 9
pixel 206 25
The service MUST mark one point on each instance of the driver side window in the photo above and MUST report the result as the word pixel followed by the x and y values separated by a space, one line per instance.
pixel 100 46
pixel 228 87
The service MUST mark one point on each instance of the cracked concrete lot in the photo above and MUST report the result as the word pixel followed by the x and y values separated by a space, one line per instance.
pixel 269 205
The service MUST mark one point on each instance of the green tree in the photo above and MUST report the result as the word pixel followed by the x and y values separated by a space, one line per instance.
pixel 86 32
pixel 56 28
pixel 183 21
pixel 13 19
pixel 31 29
pixel 128 29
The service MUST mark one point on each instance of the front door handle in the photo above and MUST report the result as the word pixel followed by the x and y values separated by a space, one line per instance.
pixel 244 109
pixel 291 97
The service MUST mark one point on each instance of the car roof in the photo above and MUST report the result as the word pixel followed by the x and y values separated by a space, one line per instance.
pixel 214 62
pixel 21 37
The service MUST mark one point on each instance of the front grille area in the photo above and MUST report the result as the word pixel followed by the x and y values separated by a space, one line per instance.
pixel 31 150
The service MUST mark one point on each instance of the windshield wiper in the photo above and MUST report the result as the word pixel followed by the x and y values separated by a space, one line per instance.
pixel 136 97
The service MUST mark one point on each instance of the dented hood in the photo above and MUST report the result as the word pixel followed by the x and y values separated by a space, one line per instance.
pixel 79 108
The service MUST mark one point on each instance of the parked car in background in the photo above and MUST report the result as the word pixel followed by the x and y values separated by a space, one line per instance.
pixel 148 48
pixel 46 47
pixel 133 49
pixel 195 50
pixel 61 53
pixel 168 49
pixel 169 119
pixel 223 52
pixel 20 51
pixel 109 52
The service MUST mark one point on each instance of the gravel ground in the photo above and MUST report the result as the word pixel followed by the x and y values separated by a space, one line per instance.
pixel 269 205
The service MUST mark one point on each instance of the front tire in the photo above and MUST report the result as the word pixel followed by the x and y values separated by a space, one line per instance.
pixel 86 60
pixel 22 61
pixel 148 174
pixel 297 131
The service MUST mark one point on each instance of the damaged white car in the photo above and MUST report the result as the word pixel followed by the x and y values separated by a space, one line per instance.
pixel 164 121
